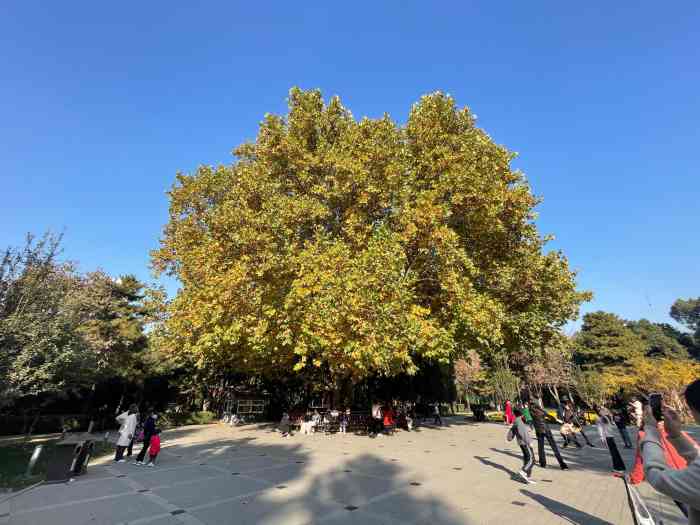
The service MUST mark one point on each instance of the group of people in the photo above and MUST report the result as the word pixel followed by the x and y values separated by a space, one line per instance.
pixel 668 456
pixel 132 429
pixel 384 419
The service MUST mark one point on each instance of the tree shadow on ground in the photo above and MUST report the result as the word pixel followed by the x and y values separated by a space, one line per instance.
pixel 226 477
pixel 565 511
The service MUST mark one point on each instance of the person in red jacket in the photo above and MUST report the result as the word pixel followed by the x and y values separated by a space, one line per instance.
pixel 154 448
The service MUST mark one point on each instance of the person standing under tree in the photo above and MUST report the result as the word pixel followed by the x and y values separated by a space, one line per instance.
pixel 149 428
pixel 543 432
pixel 521 433
pixel 128 421
pixel 436 412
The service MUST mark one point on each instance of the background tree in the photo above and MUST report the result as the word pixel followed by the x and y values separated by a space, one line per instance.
pixel 605 340
pixel 61 331
pixel 469 375
pixel 340 249
pixel 504 385
pixel 659 339
pixel 687 313
pixel 552 369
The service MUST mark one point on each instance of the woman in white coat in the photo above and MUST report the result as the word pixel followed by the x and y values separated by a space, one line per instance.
pixel 128 421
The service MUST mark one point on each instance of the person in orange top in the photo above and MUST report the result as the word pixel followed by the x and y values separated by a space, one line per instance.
pixel 673 459
pixel 388 419
pixel 154 448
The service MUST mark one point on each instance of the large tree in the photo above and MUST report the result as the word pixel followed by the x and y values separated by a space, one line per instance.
pixel 350 248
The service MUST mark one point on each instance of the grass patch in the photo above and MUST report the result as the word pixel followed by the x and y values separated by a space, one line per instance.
pixel 14 459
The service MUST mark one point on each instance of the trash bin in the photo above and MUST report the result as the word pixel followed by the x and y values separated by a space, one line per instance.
pixel 70 458
pixel 81 457
pixel 58 468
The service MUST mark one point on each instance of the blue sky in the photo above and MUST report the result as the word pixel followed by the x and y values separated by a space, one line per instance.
pixel 100 106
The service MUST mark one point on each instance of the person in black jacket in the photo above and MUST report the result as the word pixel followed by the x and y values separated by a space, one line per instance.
pixel 543 432
pixel 149 430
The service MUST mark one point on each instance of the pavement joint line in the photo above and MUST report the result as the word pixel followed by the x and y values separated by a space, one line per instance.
pixel 146 519
pixel 70 503
pixel 218 502
pixel 161 502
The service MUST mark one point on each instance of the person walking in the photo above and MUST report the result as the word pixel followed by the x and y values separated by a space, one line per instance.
pixel 681 485
pixel 543 432
pixel 605 426
pixel 437 420
pixel 149 428
pixel 128 421
pixel 521 433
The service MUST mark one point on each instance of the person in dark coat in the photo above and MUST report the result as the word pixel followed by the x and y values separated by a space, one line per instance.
pixel 543 432
pixel 149 430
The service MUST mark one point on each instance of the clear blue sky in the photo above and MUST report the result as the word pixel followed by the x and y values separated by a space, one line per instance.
pixel 101 104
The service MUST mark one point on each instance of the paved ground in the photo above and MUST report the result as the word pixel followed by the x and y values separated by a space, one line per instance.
pixel 459 474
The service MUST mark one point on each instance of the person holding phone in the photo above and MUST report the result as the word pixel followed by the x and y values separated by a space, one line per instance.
pixel 681 485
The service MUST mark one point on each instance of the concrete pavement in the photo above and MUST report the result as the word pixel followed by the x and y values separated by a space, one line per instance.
pixel 462 473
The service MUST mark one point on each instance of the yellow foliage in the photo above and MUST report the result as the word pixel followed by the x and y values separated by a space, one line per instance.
pixel 355 247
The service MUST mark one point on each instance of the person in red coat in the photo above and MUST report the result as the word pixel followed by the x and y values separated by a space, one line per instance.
pixel 154 448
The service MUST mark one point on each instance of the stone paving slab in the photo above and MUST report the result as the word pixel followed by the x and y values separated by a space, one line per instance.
pixel 458 474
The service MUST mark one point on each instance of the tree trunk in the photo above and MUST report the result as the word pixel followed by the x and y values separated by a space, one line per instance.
pixel 555 393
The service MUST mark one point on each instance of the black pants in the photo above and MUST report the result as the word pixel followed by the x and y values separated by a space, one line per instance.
pixel 528 459
pixel 119 454
pixel 625 436
pixel 570 438
pixel 437 420
pixel 130 448
pixel 552 444
pixel 585 437
pixel 144 449
pixel 618 463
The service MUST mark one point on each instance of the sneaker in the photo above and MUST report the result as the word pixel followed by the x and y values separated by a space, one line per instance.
pixel 150 464
pixel 531 481
pixel 140 463
pixel 523 476
pixel 121 461
pixel 565 467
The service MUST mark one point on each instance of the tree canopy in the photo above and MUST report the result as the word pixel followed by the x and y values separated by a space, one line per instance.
pixel 687 313
pixel 61 330
pixel 356 247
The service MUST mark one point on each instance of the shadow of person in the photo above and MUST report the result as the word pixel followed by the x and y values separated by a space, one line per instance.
pixel 506 453
pixel 564 511
pixel 497 466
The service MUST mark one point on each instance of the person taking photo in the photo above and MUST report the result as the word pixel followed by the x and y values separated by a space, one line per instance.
pixel 681 485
